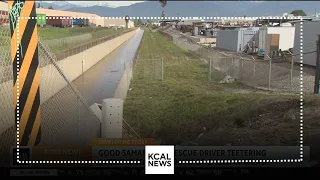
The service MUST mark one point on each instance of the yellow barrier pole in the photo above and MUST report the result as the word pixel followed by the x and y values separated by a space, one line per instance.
pixel 26 77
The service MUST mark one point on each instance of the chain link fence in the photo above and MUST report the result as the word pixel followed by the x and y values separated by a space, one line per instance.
pixel 83 45
pixel 64 42
pixel 66 119
pixel 7 116
pixel 265 73
pixel 260 73
pixel 149 68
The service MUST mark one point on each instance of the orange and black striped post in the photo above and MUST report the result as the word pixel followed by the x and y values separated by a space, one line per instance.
pixel 26 77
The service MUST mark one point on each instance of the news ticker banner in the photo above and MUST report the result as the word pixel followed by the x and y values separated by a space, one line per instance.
pixel 117 152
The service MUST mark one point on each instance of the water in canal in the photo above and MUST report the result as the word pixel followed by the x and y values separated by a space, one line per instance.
pixel 100 81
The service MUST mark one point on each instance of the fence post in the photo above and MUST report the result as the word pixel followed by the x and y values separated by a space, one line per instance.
pixel 162 70
pixel 154 67
pixel 82 66
pixel 232 67
pixel 270 69
pixel 291 71
pixel 210 61
pixel 241 72
pixel 254 65
pixel 112 116
pixel 317 75
pixel 79 117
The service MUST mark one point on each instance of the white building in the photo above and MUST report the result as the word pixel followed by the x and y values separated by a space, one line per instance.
pixel 278 37
pixel 311 30
pixel 156 23
pixel 265 37
pixel 236 40
pixel 117 23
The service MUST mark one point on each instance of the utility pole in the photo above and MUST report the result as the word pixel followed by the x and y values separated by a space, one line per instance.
pixel 317 75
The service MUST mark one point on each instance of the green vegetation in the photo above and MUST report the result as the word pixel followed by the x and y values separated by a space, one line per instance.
pixel 298 13
pixel 186 104
pixel 57 33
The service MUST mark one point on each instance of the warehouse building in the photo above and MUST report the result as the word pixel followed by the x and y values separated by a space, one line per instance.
pixel 117 23
pixel 236 40
pixel 268 39
pixel 311 30
pixel 94 19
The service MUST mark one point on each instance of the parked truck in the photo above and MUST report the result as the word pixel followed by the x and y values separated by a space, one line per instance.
pixel 59 21
pixel 78 22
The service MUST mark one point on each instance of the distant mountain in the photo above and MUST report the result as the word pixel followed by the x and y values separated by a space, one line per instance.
pixel 59 5
pixel 204 8
pixel 89 3
pixel 63 5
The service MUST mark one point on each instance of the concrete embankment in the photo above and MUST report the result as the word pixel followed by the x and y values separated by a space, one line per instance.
pixel 124 83
pixel 101 80
pixel 52 82
pixel 78 64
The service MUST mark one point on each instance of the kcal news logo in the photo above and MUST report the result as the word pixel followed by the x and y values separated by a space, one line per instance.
pixel 159 160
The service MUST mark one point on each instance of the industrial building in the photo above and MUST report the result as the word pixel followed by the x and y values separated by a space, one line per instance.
pixel 237 40
pixel 268 39
pixel 117 23
pixel 94 19
pixel 286 36
pixel 310 36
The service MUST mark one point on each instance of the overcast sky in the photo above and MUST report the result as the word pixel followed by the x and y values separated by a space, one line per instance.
pixel 111 3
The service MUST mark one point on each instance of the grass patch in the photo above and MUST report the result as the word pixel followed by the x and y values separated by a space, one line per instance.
pixel 52 33
pixel 178 108
pixel 57 33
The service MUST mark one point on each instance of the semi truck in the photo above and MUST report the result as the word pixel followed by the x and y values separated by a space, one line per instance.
pixel 59 21
pixel 80 22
